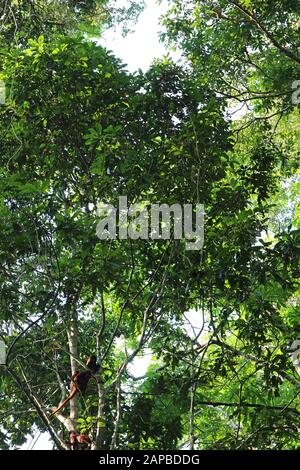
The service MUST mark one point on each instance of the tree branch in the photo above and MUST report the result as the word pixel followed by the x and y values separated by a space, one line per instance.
pixel 267 33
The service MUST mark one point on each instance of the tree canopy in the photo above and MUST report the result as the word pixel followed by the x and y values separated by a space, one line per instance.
pixel 215 328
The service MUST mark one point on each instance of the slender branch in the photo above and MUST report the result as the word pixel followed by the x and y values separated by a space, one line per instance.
pixel 154 299
pixel 247 405
pixel 100 416
pixel 142 377
pixel 192 408
pixel 254 359
pixel 24 387
pixel 122 309
pixel 118 416
pixel 10 349
pixel 267 33
pixel 103 324
pixel 60 382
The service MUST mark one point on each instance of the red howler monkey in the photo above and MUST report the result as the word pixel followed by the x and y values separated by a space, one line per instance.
pixel 79 441
pixel 80 381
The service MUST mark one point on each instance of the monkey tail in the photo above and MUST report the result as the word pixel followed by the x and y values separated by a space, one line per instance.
pixel 64 403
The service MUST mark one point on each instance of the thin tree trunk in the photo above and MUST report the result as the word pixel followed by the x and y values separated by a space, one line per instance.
pixel 100 418
pixel 192 406
pixel 114 439
pixel 72 332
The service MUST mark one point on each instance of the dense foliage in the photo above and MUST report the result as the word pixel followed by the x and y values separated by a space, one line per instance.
pixel 216 326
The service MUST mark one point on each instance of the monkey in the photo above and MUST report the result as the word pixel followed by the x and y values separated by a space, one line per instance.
pixel 80 381
pixel 92 364
pixel 79 441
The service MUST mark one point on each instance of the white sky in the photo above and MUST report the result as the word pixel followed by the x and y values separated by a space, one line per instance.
pixel 138 49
